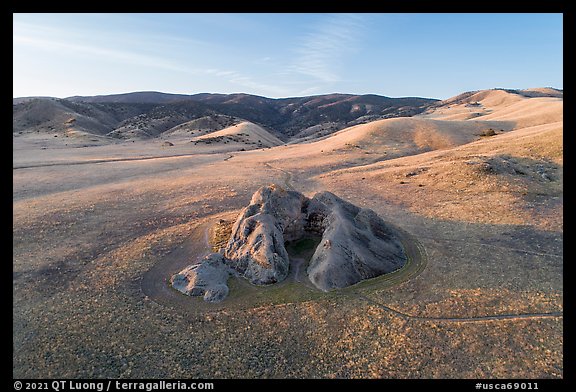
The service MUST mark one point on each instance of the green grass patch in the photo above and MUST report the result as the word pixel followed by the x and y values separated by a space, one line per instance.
pixel 244 294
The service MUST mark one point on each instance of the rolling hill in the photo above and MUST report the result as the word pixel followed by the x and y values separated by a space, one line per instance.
pixel 245 135
pixel 144 115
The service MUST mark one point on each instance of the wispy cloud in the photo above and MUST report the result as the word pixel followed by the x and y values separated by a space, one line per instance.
pixel 138 59
pixel 243 80
pixel 165 51
pixel 70 43
pixel 320 51
pixel 67 48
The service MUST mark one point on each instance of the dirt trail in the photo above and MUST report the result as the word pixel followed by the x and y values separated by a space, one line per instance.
pixel 287 180
pixel 464 319
pixel 88 162
pixel 467 241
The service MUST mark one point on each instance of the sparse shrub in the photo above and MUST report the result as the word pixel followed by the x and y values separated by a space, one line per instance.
pixel 489 132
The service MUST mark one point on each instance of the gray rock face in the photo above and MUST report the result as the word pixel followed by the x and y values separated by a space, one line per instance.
pixel 206 279
pixel 256 246
pixel 356 244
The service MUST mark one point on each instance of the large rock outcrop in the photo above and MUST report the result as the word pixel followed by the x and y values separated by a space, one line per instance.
pixel 256 247
pixel 356 244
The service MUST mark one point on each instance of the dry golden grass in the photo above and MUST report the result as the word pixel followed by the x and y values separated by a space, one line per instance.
pixel 487 210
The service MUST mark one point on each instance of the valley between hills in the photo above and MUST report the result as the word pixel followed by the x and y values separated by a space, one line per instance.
pixel 114 194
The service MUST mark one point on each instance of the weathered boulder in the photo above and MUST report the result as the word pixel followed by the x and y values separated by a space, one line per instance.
pixel 256 246
pixel 208 279
pixel 356 243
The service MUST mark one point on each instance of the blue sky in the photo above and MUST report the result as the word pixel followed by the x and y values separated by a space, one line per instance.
pixel 281 55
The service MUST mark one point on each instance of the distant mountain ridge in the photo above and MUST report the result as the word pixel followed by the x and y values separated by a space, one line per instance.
pixel 151 114
pixel 148 114
pixel 134 97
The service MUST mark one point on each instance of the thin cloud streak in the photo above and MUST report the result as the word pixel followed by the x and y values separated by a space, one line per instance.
pixel 73 42
pixel 240 79
pixel 316 51
pixel 321 50
pixel 52 39
pixel 109 54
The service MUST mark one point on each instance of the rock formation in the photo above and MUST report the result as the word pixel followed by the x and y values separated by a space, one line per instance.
pixel 206 279
pixel 256 247
pixel 356 244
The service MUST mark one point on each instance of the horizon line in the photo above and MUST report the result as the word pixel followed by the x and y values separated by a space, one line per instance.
pixel 263 96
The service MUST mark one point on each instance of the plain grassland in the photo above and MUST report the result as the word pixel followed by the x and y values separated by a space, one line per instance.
pixel 487 212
